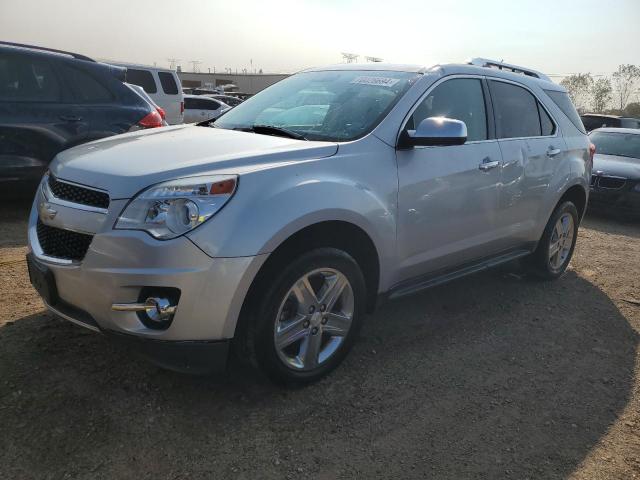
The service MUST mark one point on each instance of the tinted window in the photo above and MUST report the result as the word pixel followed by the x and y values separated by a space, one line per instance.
pixel 28 79
pixel 201 104
pixel 546 124
pixel 516 111
pixel 623 144
pixel 562 100
pixel 86 88
pixel 142 78
pixel 168 83
pixel 460 99
pixel 591 123
pixel 629 123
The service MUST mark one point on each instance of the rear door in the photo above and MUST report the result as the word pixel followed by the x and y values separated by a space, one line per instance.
pixel 38 118
pixel 96 103
pixel 531 150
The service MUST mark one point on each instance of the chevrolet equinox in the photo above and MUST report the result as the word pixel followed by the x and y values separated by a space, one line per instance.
pixel 274 231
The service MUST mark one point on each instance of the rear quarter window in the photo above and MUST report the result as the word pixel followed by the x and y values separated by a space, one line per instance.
pixel 168 83
pixel 143 78
pixel 86 88
pixel 562 100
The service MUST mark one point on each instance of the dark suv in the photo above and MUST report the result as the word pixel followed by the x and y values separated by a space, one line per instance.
pixel 592 121
pixel 52 100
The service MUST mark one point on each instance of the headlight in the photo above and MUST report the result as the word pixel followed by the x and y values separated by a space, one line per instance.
pixel 170 209
pixel 637 187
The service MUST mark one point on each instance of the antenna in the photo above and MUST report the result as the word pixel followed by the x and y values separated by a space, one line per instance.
pixel 373 59
pixel 350 57
pixel 194 65
pixel 172 63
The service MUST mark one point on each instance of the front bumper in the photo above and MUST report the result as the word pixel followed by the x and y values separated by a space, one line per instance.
pixel 120 263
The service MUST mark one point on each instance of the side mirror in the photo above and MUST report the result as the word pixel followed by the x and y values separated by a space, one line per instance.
pixel 435 131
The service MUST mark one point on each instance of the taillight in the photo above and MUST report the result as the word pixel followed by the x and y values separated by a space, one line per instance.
pixel 163 115
pixel 152 120
pixel 181 108
pixel 592 151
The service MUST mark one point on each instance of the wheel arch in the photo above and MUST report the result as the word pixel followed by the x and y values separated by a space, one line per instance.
pixel 340 234
pixel 578 196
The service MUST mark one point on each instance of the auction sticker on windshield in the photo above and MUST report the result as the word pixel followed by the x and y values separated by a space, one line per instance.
pixel 377 81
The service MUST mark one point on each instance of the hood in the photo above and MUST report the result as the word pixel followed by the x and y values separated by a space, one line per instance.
pixel 616 166
pixel 125 164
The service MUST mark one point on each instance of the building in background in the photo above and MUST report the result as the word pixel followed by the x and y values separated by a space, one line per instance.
pixel 250 83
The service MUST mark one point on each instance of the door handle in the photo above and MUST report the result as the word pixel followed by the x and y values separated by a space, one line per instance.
pixel 552 152
pixel 487 164
pixel 70 118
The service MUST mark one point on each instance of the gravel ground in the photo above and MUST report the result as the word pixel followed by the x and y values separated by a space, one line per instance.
pixel 493 376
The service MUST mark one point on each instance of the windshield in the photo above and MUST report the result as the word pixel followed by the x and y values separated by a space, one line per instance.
pixel 330 105
pixel 622 144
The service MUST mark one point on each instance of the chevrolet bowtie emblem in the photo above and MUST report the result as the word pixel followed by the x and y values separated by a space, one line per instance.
pixel 47 212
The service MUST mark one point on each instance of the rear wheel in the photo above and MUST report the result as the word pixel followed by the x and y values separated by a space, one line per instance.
pixel 554 252
pixel 308 317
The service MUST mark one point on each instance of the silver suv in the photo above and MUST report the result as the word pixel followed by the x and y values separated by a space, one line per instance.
pixel 278 229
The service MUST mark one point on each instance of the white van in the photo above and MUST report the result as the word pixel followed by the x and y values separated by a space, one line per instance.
pixel 162 85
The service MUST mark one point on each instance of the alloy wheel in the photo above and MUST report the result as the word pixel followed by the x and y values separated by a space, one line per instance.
pixel 314 319
pixel 561 241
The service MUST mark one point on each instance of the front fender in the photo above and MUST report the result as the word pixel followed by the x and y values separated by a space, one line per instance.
pixel 271 205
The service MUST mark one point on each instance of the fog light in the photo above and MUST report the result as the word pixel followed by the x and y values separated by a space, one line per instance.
pixel 155 308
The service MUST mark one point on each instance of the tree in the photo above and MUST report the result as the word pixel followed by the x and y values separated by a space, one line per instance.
pixel 578 86
pixel 625 81
pixel 600 94
pixel 632 110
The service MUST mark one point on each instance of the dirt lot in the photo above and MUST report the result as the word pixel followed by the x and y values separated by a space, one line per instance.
pixel 493 376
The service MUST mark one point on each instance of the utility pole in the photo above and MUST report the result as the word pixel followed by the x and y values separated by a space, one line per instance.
pixel 194 65
pixel 172 63
pixel 350 57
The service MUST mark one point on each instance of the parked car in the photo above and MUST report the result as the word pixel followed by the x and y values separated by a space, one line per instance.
pixel 198 109
pixel 615 182
pixel 140 91
pixel 162 85
pixel 52 100
pixel 276 240
pixel 200 91
pixel 592 121
pixel 227 99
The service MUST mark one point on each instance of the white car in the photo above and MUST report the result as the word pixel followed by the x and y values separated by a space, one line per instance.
pixel 162 85
pixel 198 108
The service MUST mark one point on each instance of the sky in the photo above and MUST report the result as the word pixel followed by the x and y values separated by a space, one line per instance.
pixel 284 36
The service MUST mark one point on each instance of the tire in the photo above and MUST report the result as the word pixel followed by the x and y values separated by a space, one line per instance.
pixel 541 263
pixel 282 310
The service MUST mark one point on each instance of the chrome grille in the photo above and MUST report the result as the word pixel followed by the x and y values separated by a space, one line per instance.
pixel 612 183
pixel 77 194
pixel 65 244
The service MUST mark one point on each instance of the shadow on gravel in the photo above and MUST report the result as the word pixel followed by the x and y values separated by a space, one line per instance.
pixel 606 223
pixel 493 376
pixel 14 217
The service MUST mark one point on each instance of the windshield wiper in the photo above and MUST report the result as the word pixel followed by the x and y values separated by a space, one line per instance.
pixel 271 130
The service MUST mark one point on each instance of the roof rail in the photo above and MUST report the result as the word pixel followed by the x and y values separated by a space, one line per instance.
pixel 485 62
pixel 45 49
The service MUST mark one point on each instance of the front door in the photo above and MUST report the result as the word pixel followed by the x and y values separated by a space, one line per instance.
pixel 448 195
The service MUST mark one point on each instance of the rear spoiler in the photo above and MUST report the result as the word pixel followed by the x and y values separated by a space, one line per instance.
pixel 118 72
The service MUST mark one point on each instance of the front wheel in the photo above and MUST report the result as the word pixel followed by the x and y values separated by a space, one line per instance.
pixel 554 252
pixel 308 317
